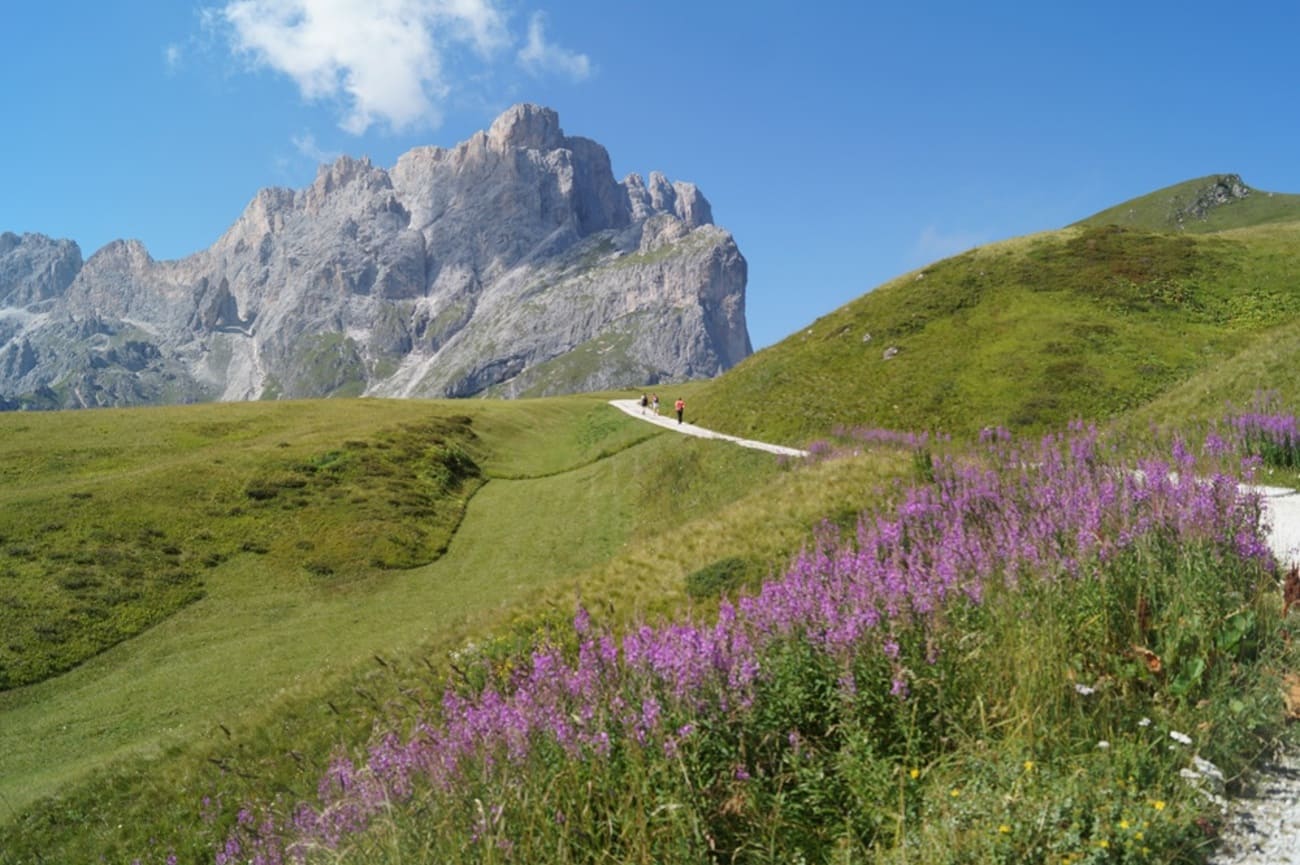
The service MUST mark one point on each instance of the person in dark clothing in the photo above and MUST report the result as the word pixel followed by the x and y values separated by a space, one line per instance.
pixel 681 407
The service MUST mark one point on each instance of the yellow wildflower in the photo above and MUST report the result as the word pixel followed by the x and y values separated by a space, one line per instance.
pixel 1029 765
pixel 954 793
pixel 1004 829
pixel 915 773
pixel 1158 804
pixel 1123 824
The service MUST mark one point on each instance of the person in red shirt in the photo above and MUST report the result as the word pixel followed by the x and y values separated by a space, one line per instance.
pixel 681 407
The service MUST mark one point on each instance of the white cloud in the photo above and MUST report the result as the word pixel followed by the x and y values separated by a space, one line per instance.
pixel 933 244
pixel 538 56
pixel 305 143
pixel 172 56
pixel 383 59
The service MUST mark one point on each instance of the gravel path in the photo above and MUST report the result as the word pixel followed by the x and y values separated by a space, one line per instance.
pixel 1263 826
pixel 633 407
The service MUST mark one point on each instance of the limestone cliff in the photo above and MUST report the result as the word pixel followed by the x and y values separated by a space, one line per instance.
pixel 513 263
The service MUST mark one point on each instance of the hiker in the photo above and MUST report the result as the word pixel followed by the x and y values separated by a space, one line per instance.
pixel 680 405
pixel 654 403
pixel 645 403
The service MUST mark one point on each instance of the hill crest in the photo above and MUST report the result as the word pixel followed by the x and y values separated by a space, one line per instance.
pixel 1216 202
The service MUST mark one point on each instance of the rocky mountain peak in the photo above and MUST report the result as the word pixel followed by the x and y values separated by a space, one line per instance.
pixel 129 253
pixel 34 268
pixel 512 263
pixel 1223 189
pixel 528 127
pixel 341 174
pixel 682 200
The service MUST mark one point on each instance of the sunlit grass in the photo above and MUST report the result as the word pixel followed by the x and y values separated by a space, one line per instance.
pixel 1022 662
pixel 274 656
pixel 1088 322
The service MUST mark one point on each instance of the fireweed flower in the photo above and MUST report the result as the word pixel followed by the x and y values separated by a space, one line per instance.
pixel 1016 513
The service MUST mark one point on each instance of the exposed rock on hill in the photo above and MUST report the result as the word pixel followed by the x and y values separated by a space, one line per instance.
pixel 1222 189
pixel 1217 202
pixel 513 263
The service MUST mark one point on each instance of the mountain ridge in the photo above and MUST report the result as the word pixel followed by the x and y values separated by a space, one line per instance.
pixel 457 270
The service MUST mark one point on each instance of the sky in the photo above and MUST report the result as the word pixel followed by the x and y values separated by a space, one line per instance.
pixel 841 143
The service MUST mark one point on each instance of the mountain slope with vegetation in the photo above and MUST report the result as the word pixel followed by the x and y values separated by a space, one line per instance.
pixel 1218 202
pixel 1088 322
pixel 258 679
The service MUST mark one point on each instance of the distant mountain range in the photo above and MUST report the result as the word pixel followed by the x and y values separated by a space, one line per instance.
pixel 512 264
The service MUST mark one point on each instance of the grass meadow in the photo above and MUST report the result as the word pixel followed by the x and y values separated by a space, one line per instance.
pixel 267 661
pixel 1020 651
pixel 1011 714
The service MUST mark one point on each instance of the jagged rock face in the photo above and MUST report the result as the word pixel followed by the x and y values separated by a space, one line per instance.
pixel 1225 189
pixel 34 268
pixel 511 264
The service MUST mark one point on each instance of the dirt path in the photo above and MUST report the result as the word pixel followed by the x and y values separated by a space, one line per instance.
pixel 1263 826
pixel 633 407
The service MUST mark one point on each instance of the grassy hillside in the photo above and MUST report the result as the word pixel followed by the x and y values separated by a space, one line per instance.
pixel 1091 321
pixel 970 732
pixel 260 678
pixel 1200 206
pixel 288 585
pixel 100 546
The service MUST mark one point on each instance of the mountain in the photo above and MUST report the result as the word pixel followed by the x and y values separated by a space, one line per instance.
pixel 1090 321
pixel 1214 203
pixel 513 264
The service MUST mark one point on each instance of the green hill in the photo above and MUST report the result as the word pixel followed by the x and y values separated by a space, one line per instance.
pixel 1090 321
pixel 1215 203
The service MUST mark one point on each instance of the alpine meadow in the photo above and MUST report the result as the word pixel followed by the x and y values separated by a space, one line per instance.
pixel 1017 603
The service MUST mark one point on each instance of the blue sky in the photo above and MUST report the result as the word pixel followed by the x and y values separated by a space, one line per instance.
pixel 841 143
